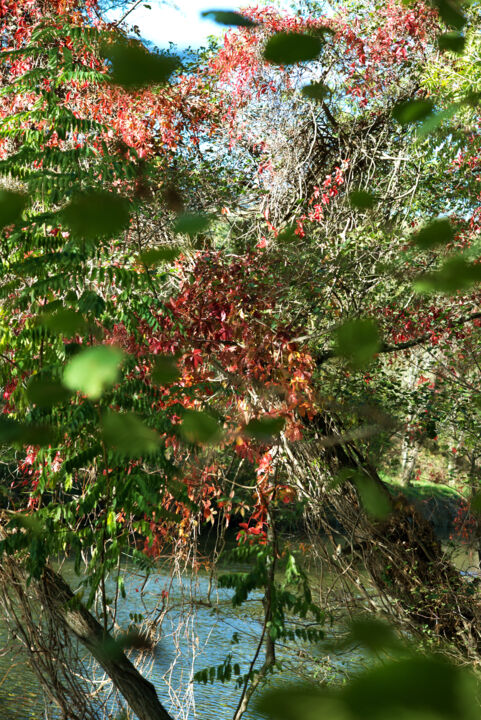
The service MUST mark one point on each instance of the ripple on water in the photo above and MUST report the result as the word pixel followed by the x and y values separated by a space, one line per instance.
pixel 22 699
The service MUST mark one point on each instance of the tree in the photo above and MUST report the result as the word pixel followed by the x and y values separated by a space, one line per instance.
pixel 363 273
pixel 140 387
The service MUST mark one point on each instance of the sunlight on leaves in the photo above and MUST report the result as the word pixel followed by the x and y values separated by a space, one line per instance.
pixel 93 370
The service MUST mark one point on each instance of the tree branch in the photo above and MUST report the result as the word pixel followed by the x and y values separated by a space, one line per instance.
pixel 323 357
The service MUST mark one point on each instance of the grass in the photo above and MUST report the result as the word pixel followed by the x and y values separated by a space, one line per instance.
pixel 422 489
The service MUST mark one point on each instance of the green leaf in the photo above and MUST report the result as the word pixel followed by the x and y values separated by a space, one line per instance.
pixel 111 521
pixel 411 688
pixel 12 204
pixel 263 429
pixel 288 235
pixel 42 435
pixel 451 13
pixel 419 687
pixel 373 499
pixel 229 17
pixel 165 370
pixel 30 523
pixel 93 370
pixel 358 341
pixel 438 232
pixel 300 701
pixel 10 430
pixel 475 503
pixel 412 111
pixel 133 66
pixel 91 302
pixel 13 432
pixel 72 348
pixel 44 392
pixel 65 322
pixel 315 91
pixel 113 648
pixel 191 224
pixel 287 48
pixel 456 274
pixel 92 215
pixel 452 41
pixel 154 256
pixel 373 634
pixel 362 199
pixel 472 99
pixel 127 435
pixel 434 121
pixel 199 427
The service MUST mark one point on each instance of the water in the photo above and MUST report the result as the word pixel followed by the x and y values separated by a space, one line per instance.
pixel 194 636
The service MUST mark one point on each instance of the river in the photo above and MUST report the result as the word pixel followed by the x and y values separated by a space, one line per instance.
pixel 194 636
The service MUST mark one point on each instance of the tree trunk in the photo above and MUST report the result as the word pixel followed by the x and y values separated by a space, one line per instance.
pixel 409 447
pixel 138 692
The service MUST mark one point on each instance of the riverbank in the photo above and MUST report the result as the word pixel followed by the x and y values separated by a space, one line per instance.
pixel 438 503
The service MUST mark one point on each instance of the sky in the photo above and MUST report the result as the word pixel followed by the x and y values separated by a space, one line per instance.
pixel 182 24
